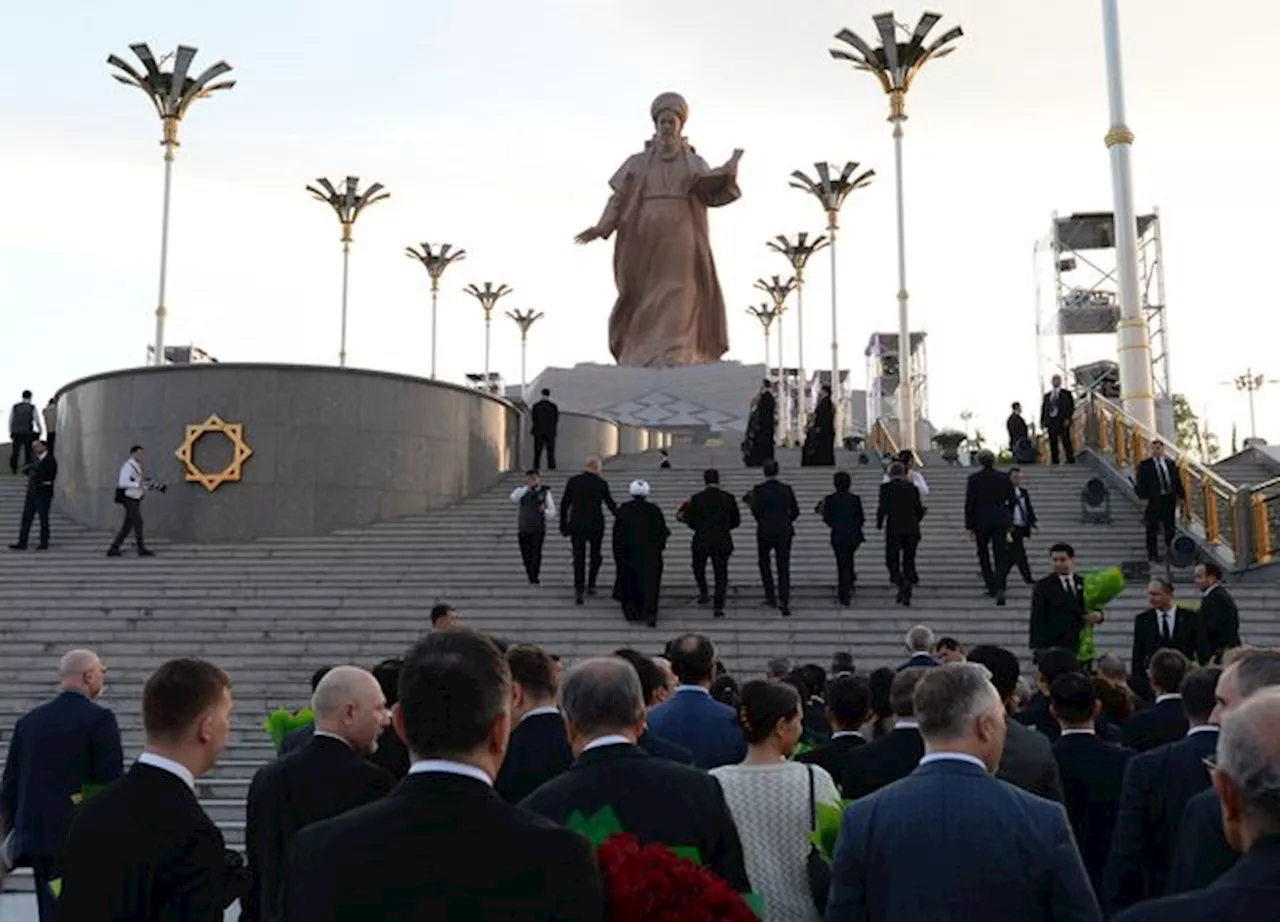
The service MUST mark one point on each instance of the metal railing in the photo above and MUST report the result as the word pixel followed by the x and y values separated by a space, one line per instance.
pixel 881 438
pixel 1264 514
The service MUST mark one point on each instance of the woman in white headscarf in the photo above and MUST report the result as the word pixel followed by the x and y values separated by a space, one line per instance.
pixel 639 537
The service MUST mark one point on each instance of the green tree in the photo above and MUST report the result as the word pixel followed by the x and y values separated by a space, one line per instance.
pixel 1193 437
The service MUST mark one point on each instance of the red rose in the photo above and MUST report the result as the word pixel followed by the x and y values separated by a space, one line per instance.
pixel 650 883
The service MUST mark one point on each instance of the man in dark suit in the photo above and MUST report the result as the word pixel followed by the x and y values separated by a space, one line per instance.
pixel 582 520
pixel 41 473
pixel 174 864
pixel 1092 771
pixel 987 499
pixel 847 702
pixel 1015 426
pixel 1022 515
pixel 691 717
pixel 327 777
pixel 931 846
pixel 842 513
pixel 1157 786
pixel 54 751
pixel 1160 484
pixel 1056 411
pixel 920 643
pixel 713 515
pixel 1164 626
pixel 1166 720
pixel 443 844
pixel 893 756
pixel 539 747
pixel 296 739
pixel 545 419
pixel 1218 612
pixel 1057 605
pixel 654 799
pixel 653 684
pixel 1247 765
pixel 898 514
pixel 773 503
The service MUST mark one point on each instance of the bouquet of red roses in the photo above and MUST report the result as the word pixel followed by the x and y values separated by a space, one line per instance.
pixel 651 883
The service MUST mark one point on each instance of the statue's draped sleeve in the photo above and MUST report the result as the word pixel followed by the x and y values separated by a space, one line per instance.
pixel 712 188
pixel 623 186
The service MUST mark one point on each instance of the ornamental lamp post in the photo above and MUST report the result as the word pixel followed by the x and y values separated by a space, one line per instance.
pixel 435 262
pixel 798 254
pixel 488 296
pixel 524 320
pixel 895 65
pixel 766 314
pixel 347 203
pixel 778 292
pixel 172 93
pixel 831 192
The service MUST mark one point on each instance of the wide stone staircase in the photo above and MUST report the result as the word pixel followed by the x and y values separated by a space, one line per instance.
pixel 271 611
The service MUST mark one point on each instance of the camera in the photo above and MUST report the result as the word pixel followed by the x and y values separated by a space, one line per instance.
pixel 156 486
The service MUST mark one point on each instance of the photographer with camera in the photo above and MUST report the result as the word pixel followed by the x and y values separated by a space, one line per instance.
pixel 536 507
pixel 40 474
pixel 131 487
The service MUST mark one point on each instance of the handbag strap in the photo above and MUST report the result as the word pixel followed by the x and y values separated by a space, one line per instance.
pixel 813 810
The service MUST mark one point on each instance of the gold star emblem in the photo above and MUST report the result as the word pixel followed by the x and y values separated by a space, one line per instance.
pixel 240 452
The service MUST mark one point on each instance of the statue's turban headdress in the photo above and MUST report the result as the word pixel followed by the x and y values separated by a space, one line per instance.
pixel 670 102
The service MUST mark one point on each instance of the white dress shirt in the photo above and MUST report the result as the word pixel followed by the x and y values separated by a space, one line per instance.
pixel 548 501
pixel 130 479
pixel 1079 731
pixel 1053 403
pixel 333 736
pixel 916 479
pixel 1172 696
pixel 1203 728
pixel 906 724
pixel 446 767
pixel 538 712
pixel 1166 620
pixel 170 766
pixel 1019 509
pixel 842 733
pixel 613 739
pixel 955 757
pixel 693 688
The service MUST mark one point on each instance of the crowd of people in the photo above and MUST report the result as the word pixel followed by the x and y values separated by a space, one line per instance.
pixel 460 782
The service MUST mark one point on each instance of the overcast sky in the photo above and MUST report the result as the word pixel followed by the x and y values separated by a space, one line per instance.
pixel 496 124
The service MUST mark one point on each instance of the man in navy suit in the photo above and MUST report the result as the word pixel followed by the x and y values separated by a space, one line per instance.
pixel 1246 778
pixel 1166 720
pixel 54 751
pixel 950 842
pixel 691 717
pixel 920 643
pixel 539 747
pixel 655 688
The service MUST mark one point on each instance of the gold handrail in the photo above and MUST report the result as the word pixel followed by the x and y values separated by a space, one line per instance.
pixel 1263 547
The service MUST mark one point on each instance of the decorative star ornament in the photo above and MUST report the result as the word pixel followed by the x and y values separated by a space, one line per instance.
pixel 240 453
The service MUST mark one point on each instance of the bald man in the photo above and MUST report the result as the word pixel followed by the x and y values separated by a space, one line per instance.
pixel 327 776
pixel 55 750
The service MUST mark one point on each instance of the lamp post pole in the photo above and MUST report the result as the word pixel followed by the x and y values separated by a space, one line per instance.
pixel 778 291
pixel 895 65
pixel 1134 346
pixel 435 262
pixel 766 314
pixel 797 253
pixel 172 93
pixel 524 320
pixel 488 296
pixel 1251 383
pixel 347 203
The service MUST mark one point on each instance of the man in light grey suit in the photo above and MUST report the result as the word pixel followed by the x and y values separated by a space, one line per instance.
pixel 1027 760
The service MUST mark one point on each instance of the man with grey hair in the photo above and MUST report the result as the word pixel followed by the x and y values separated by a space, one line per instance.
pixel 988 498
pixel 778 668
pixel 1246 783
pixel 655 800
pixel 920 642
pixel 54 751
pixel 325 777
pixel 582 521
pixel 936 845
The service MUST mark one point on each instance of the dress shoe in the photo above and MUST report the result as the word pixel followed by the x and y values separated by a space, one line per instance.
pixel 1000 598
pixel 718 613
pixel 113 552
pixel 17 547
pixel 786 612
pixel 145 553
pixel 42 547
pixel 704 599
pixel 577 600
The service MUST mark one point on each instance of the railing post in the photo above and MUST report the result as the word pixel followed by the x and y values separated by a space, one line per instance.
pixel 1263 551
pixel 1212 527
pixel 1122 443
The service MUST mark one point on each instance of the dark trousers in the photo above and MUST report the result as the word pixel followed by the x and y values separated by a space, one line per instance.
pixel 1161 515
pixel 132 523
pixel 845 577
pixel 993 542
pixel 779 546
pixel 719 557
pixel 580 540
pixel 36 506
pixel 1018 551
pixel 544 443
pixel 44 870
pixel 21 443
pixel 1060 432
pixel 900 558
pixel 531 552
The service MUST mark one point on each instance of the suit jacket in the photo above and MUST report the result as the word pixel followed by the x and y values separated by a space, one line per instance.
pixel 1157 786
pixel 833 755
pixel 881 762
pixel 323 779
pixel 41 475
pixel 1163 722
pixel 545 417
pixel 537 752
pixel 1038 717
pixel 713 515
pixel 580 507
pixel 1016 426
pixel 951 843
pixel 1221 619
pixel 1201 853
pixel 693 719
pixel 773 503
pixel 919 661
pixel 1092 777
pixel 1188 636
pixel 1066 404
pixel 655 800
pixel 172 868
pixel 1147 485
pixel 900 508
pixel 1028 509
pixel 987 496
pixel 441 846
pixel 1057 616
pixel 659 748
pixel 1249 892
pixel 1027 762
pixel 392 754
pixel 842 512
pixel 296 739
pixel 54 751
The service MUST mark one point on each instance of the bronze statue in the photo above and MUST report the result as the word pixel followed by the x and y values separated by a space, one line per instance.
pixel 670 310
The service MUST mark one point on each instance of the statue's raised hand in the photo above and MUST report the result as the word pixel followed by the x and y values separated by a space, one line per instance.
pixel 591 233
pixel 731 165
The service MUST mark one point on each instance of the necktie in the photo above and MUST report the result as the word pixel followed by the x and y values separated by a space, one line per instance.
pixel 1066 585
pixel 1164 478
pixel 1165 633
